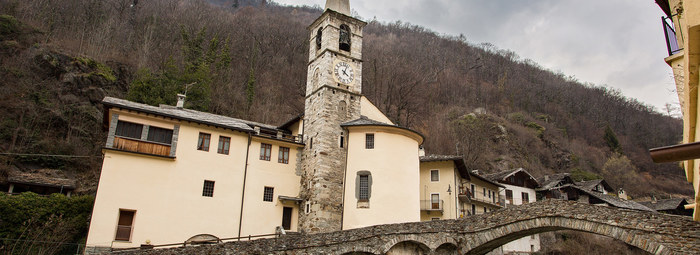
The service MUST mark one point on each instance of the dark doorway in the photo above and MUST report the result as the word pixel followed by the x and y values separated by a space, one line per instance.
pixel 287 218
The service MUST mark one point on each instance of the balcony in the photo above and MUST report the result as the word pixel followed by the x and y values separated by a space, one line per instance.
pixel 431 205
pixel 464 195
pixel 145 147
pixel 672 43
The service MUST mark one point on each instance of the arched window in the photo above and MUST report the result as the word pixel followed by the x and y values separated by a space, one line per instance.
pixel 345 38
pixel 319 36
pixel 341 108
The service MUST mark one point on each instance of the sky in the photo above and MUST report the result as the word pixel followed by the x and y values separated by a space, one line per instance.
pixel 613 43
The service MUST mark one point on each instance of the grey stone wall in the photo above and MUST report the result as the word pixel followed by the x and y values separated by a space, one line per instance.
pixel 653 232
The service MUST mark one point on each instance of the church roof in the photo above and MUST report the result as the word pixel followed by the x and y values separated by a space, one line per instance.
pixel 364 121
pixel 187 115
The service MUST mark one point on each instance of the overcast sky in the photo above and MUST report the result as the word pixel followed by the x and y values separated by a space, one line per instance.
pixel 614 43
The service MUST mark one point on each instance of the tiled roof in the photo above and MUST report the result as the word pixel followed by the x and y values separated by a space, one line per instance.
pixel 187 115
pixel 665 204
pixel 42 177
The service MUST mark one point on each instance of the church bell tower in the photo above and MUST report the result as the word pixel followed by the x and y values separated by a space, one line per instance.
pixel 333 94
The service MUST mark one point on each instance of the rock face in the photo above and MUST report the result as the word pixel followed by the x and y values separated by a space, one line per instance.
pixel 652 232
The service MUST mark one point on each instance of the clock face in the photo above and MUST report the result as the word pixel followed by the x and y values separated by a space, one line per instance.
pixel 344 72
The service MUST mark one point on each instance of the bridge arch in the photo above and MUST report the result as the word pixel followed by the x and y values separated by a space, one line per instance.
pixel 510 232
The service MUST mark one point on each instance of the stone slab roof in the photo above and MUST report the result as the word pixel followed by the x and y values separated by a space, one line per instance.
pixel 459 162
pixel 552 180
pixel 665 204
pixel 187 115
pixel 613 200
pixel 501 176
pixel 41 177
pixel 364 121
pixel 590 185
pixel 475 175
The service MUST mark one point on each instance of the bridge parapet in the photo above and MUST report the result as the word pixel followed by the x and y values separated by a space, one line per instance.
pixel 652 232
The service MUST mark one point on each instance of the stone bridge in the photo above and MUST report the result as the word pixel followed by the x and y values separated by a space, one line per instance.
pixel 653 232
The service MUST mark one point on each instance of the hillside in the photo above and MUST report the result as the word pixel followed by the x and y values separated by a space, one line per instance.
pixel 60 58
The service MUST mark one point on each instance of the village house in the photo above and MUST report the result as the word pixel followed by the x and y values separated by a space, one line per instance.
pixel 519 188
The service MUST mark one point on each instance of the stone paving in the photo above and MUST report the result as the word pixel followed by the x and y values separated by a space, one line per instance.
pixel 653 232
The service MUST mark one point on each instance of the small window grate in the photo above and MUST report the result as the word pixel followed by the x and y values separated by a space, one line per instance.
pixel 208 190
pixel 268 194
pixel 369 141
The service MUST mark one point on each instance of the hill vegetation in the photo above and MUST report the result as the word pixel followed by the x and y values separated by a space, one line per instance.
pixel 248 59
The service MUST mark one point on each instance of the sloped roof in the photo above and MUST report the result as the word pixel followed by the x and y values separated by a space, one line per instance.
pixel 501 176
pixel 472 174
pixel 459 162
pixel 42 177
pixel 590 185
pixel 665 204
pixel 613 200
pixel 552 180
pixel 187 115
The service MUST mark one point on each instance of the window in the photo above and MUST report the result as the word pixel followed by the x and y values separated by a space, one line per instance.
pixel 283 155
pixel 484 209
pixel 342 140
pixel 224 144
pixel 203 143
pixel 363 185
pixel 160 135
pixel 128 129
pixel 319 38
pixel 369 141
pixel 268 194
pixel 208 190
pixel 345 38
pixel 434 219
pixel 308 207
pixel 473 209
pixel 484 193
pixel 435 201
pixel 265 150
pixel 473 191
pixel 526 198
pixel 489 194
pixel 509 196
pixel 434 175
pixel 124 225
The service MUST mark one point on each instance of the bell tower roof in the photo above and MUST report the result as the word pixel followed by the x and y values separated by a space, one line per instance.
pixel 341 6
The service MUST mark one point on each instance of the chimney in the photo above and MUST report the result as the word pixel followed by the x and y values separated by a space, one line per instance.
pixel 180 101
pixel 421 151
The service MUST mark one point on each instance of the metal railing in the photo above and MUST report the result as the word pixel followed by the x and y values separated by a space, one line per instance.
pixel 672 43
pixel 431 205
